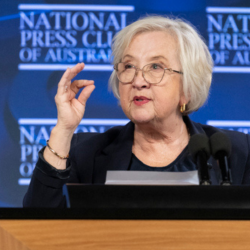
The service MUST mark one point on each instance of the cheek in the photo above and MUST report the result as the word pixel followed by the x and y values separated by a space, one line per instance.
pixel 166 99
pixel 124 95
pixel 124 92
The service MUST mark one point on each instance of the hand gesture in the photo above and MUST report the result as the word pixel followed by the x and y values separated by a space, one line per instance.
pixel 69 109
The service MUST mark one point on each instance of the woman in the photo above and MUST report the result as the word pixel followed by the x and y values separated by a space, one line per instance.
pixel 162 72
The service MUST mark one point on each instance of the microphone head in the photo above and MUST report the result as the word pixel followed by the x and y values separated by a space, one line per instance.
pixel 199 143
pixel 220 144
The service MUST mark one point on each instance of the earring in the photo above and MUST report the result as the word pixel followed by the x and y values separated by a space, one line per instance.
pixel 183 108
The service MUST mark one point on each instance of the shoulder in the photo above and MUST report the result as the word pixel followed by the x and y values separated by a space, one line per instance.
pixel 80 138
pixel 240 141
pixel 198 128
pixel 239 160
pixel 100 139
pixel 235 136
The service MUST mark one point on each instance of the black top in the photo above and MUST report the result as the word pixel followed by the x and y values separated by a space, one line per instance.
pixel 182 163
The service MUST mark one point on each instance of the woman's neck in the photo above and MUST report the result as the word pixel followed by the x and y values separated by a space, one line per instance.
pixel 172 133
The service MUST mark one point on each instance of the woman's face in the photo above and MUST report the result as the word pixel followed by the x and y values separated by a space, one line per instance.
pixel 143 102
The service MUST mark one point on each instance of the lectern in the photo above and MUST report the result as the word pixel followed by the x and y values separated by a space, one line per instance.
pixel 139 217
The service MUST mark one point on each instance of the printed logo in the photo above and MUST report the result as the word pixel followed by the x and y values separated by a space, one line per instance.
pixel 57 36
pixel 229 38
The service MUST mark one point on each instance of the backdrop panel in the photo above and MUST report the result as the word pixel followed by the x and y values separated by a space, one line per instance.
pixel 39 41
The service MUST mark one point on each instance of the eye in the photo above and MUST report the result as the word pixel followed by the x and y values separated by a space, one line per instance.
pixel 128 66
pixel 156 66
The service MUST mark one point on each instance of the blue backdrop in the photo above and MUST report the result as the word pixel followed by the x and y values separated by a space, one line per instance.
pixel 39 41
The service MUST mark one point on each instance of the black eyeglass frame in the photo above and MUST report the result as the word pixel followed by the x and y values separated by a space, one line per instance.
pixel 138 69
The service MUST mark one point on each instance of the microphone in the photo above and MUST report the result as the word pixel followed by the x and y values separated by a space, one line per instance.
pixel 221 149
pixel 200 150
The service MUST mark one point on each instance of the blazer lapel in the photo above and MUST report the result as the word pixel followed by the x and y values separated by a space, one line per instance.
pixel 116 156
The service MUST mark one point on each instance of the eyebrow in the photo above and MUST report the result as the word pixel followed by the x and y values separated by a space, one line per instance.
pixel 127 56
pixel 159 57
pixel 152 58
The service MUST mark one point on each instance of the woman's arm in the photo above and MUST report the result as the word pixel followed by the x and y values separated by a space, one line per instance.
pixel 70 112
pixel 51 172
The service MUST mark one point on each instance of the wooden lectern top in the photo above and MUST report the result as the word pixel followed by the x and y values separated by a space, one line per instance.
pixel 123 234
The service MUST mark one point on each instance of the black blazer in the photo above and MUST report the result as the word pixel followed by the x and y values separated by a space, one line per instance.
pixel 92 154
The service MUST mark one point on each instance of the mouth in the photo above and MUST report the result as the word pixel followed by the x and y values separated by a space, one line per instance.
pixel 140 100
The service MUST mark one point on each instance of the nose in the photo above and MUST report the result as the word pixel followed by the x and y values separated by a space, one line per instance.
pixel 139 80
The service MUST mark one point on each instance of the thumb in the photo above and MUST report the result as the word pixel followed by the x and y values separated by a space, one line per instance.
pixel 85 94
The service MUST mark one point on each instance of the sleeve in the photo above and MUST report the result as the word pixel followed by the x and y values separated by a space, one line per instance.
pixel 246 177
pixel 45 189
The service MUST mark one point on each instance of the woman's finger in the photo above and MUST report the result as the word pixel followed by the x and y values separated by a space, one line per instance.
pixel 68 75
pixel 77 84
pixel 85 94
pixel 76 70
pixel 64 82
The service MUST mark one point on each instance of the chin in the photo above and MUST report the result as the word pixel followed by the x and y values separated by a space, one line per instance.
pixel 139 116
pixel 141 119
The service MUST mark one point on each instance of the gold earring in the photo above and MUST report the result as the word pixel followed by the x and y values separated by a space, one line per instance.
pixel 183 108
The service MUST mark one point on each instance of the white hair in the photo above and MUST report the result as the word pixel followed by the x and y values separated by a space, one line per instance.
pixel 195 59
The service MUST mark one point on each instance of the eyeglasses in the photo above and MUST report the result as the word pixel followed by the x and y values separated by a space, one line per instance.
pixel 153 73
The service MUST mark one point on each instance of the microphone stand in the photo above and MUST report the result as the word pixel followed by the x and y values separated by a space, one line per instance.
pixel 203 173
pixel 225 170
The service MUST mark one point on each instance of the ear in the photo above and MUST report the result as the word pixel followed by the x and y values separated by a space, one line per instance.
pixel 184 99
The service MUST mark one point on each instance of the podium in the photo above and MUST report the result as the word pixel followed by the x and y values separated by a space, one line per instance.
pixel 96 225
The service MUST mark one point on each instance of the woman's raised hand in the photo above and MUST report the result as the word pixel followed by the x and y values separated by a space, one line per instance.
pixel 69 109
pixel 69 113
